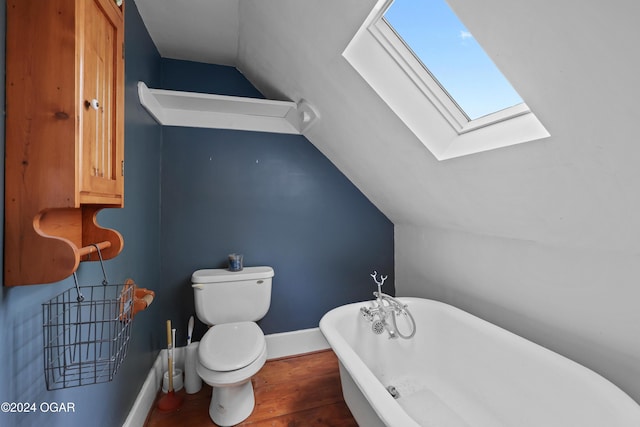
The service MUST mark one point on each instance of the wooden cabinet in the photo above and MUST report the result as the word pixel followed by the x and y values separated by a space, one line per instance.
pixel 64 156
pixel 101 162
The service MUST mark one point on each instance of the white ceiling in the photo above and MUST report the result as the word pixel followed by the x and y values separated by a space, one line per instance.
pixel 574 62
pixel 194 30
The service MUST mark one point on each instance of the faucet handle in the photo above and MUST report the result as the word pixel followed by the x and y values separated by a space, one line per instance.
pixel 366 313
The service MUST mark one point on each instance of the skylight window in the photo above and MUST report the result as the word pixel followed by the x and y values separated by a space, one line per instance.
pixel 452 56
pixel 454 106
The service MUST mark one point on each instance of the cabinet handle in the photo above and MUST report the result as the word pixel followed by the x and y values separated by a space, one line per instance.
pixel 93 104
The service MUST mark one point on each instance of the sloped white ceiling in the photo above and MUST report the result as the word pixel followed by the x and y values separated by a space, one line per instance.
pixel 195 30
pixel 575 64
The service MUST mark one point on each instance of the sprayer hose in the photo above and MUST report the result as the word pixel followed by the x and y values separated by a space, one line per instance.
pixel 413 325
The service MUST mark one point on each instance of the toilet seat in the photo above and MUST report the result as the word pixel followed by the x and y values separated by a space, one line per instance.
pixel 231 346
pixel 231 378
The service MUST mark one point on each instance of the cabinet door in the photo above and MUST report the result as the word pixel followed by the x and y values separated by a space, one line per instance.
pixel 101 112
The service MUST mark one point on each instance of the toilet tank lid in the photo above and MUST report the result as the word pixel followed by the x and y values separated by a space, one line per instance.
pixel 216 275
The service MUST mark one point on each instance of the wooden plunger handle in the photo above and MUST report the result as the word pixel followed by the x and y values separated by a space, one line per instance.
pixel 169 343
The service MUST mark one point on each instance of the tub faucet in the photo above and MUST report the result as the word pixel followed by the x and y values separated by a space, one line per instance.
pixel 384 308
pixel 379 312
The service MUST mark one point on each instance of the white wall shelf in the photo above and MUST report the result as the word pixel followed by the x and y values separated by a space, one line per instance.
pixel 175 108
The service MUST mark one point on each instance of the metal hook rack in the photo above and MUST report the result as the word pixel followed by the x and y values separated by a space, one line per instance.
pixel 86 338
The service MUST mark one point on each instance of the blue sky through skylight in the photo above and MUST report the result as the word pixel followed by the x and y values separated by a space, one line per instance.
pixel 452 55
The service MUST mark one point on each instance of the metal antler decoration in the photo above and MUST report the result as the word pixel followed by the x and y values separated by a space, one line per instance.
pixel 375 278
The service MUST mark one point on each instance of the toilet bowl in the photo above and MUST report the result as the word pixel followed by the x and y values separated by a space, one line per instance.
pixel 234 348
pixel 228 356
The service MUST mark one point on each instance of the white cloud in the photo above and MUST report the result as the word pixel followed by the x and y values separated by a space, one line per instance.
pixel 465 35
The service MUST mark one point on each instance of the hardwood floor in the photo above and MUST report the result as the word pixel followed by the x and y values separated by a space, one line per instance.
pixel 299 391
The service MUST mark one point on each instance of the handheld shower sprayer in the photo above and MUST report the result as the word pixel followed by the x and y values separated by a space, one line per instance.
pixel 377 327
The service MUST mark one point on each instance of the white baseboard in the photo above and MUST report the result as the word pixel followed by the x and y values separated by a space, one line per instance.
pixel 295 342
pixel 278 345
pixel 147 395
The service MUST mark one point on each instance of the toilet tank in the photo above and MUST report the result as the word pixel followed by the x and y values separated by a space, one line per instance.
pixel 223 296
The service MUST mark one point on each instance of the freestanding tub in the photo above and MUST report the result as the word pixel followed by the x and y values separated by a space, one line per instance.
pixel 459 370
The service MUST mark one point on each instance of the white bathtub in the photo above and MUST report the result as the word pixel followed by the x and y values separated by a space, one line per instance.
pixel 460 370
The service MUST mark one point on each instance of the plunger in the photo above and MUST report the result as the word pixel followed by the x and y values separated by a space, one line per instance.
pixel 170 401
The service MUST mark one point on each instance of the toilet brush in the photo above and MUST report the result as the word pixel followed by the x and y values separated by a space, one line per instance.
pixel 192 381
pixel 170 401
pixel 189 330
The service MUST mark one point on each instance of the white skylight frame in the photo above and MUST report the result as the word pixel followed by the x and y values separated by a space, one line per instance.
pixel 377 52
pixel 429 85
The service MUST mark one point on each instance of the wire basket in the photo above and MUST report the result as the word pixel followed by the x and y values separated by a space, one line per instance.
pixel 86 333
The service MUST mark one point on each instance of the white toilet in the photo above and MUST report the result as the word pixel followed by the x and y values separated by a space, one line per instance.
pixel 234 348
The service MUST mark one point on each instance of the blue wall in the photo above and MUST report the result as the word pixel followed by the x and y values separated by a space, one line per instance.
pixel 276 199
pixel 21 376
pixel 191 197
